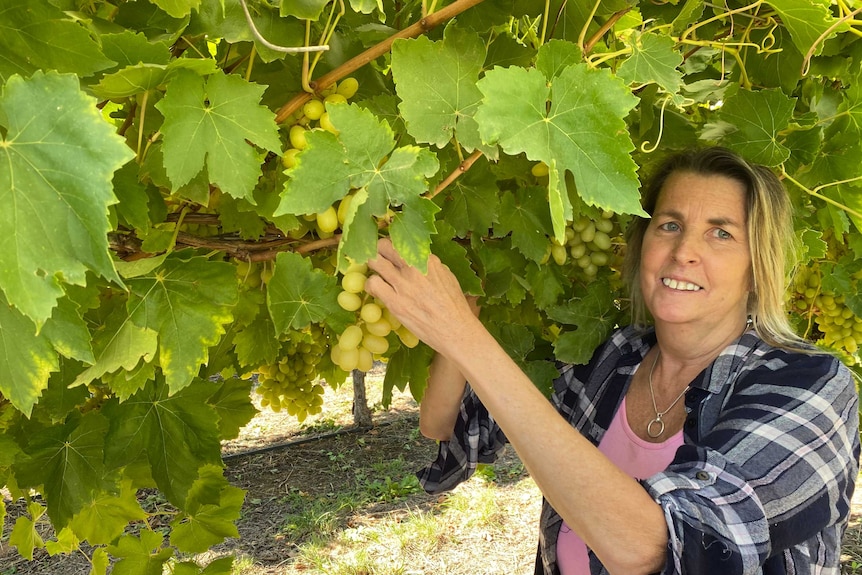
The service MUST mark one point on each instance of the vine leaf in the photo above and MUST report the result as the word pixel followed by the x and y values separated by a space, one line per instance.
pixel 758 117
pixel 177 8
pixel 653 59
pixel 807 21
pixel 68 459
pixel 297 295
pixel 471 202
pixel 436 82
pixel 141 77
pixel 178 434
pixel 24 535
pixel 36 35
pixel 68 332
pixel 119 344
pixel 407 366
pixel 188 319
pixel 212 507
pixel 56 164
pixel 306 9
pixel 575 122
pixel 232 402
pixel 363 158
pixel 594 316
pixel 27 359
pixel 104 517
pixel 523 216
pixel 142 555
pixel 207 123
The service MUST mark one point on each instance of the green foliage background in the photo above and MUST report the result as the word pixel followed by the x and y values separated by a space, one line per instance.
pixel 154 245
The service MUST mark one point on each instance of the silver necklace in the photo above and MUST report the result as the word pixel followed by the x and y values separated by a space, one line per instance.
pixel 657 420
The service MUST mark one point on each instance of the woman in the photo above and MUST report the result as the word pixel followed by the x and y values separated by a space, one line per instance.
pixel 712 441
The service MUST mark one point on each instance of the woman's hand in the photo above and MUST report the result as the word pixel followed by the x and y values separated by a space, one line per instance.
pixel 431 305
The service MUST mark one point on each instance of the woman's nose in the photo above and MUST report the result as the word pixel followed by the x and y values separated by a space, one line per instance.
pixel 686 249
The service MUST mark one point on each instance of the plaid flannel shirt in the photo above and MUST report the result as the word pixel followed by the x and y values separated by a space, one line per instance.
pixel 763 482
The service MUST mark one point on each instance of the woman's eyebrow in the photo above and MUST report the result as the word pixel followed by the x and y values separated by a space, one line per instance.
pixel 715 221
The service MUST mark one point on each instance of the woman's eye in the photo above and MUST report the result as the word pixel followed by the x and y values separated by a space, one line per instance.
pixel 669 227
pixel 722 234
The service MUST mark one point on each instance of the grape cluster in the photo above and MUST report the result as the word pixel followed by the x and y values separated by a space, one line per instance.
pixel 361 342
pixel 839 327
pixel 313 116
pixel 589 243
pixel 291 382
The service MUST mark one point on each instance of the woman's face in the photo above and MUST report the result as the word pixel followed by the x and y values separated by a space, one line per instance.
pixel 695 262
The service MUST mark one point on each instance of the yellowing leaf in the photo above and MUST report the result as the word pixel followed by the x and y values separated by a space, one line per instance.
pixel 56 164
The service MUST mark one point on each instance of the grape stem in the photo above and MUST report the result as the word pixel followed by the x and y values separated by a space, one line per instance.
pixel 456 173
pixel 816 193
pixel 412 31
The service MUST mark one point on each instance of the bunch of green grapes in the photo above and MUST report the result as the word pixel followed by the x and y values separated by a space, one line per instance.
pixel 291 383
pixel 366 339
pixel 839 328
pixel 313 116
pixel 590 243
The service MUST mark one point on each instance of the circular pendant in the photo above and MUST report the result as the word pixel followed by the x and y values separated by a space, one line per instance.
pixel 649 427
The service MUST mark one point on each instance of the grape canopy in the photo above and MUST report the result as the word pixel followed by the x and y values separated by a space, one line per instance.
pixel 190 190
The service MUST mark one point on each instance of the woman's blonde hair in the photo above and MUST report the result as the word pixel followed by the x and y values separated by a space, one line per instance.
pixel 769 222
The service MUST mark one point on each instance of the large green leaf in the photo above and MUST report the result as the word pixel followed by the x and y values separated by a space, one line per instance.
pixel 68 459
pixel 436 82
pixel 209 122
pixel 188 302
pixel 298 294
pixel 56 163
pixel 36 36
pixel 26 361
pixel 576 123
pixel 177 433
pixel 758 117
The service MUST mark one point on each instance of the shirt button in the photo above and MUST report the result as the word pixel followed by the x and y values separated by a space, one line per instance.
pixel 702 475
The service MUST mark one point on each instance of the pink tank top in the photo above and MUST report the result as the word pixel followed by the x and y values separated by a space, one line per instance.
pixel 638 458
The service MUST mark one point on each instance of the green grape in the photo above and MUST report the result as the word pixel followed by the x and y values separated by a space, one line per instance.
pixel 327 220
pixel 326 124
pixel 297 137
pixel 353 282
pixel 348 87
pixel 288 159
pixel 349 301
pixel 350 338
pixel 375 344
pixel 313 109
pixel 335 98
pixel 381 327
pixel 371 312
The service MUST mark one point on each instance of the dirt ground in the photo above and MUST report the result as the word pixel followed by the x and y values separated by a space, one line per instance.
pixel 282 464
